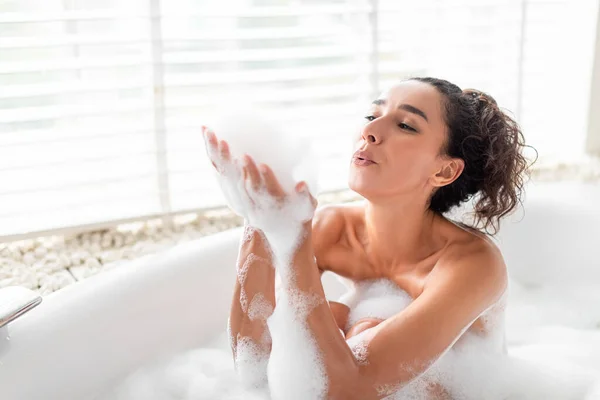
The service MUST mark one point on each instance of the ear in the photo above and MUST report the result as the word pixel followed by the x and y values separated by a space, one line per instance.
pixel 448 172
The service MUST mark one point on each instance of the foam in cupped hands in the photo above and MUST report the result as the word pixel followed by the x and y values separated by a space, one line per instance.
pixel 278 217
pixel 268 143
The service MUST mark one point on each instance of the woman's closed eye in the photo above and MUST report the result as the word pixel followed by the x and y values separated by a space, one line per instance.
pixel 402 125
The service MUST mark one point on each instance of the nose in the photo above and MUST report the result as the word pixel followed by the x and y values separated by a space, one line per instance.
pixel 370 137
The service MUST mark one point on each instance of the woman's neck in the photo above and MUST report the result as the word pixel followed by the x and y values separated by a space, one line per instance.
pixel 397 234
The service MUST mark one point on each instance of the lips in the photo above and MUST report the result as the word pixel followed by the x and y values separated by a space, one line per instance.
pixel 362 157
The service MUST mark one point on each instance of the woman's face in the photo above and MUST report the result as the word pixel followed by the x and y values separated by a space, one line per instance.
pixel 403 133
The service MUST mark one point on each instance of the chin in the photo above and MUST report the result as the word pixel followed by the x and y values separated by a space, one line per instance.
pixel 371 188
pixel 362 188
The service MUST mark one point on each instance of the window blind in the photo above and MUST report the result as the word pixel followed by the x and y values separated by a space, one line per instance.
pixel 101 101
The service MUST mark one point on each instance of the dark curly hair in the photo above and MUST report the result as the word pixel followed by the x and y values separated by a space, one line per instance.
pixel 490 143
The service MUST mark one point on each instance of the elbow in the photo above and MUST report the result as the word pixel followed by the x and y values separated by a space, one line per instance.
pixel 366 382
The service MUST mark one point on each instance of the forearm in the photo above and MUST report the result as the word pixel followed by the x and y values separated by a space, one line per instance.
pixel 321 321
pixel 336 357
pixel 253 302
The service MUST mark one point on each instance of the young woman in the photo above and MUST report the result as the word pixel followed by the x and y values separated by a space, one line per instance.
pixel 426 147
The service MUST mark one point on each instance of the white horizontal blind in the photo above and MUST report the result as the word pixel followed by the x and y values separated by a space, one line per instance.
pixel 534 57
pixel 557 67
pixel 101 101
pixel 76 107
pixel 305 64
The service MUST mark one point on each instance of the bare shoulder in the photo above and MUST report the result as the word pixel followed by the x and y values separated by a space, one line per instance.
pixel 474 263
pixel 331 221
pixel 329 230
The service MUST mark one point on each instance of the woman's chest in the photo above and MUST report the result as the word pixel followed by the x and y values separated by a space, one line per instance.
pixel 371 289
pixel 352 264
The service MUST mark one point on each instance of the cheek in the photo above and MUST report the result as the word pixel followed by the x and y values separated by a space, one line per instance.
pixel 412 163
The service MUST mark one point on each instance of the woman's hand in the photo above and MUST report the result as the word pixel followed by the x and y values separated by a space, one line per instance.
pixel 229 170
pixel 254 192
pixel 272 209
pixel 260 183
pixel 218 152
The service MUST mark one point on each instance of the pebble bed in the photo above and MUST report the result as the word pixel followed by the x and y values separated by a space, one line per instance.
pixel 46 264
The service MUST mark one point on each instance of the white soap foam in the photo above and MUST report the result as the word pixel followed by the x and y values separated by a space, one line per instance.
pixel 252 132
pixel 296 370
pixel 360 347
pixel 295 365
pixel 556 363
pixel 260 307
pixel 230 338
pixel 248 234
pixel 203 374
pixel 291 161
pixel 242 272
pixel 477 366
pixel 380 298
pixel 473 370
pixel 251 361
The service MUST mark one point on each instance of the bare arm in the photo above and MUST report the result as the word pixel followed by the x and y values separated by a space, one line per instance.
pixel 464 285
pixel 254 294
pixel 253 302
pixel 327 228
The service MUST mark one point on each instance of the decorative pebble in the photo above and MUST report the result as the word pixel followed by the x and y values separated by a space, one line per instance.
pixel 129 238
pixel 56 281
pixel 106 257
pixel 107 240
pixel 95 248
pixel 96 237
pixel 29 258
pixel 5 251
pixel 118 240
pixel 92 262
pixel 82 272
pixel 64 260
pixel 27 245
pixel 40 252
pixel 16 254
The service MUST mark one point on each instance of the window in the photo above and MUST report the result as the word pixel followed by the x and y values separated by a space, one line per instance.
pixel 101 101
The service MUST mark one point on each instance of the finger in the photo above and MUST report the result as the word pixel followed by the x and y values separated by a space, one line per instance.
pixel 302 187
pixel 224 150
pixel 273 186
pixel 210 141
pixel 211 138
pixel 313 201
pixel 255 178
pixel 245 180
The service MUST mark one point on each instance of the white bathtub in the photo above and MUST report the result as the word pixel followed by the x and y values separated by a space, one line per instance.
pixel 88 336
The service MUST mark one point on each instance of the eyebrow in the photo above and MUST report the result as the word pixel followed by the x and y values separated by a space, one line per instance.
pixel 405 107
